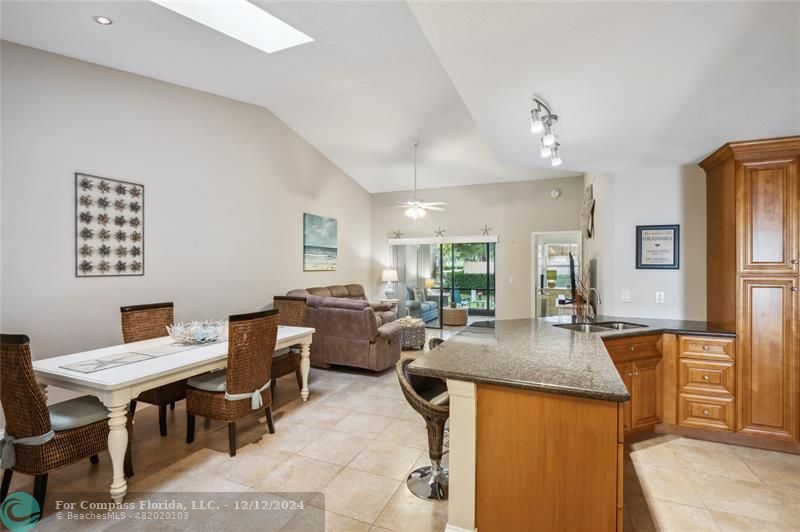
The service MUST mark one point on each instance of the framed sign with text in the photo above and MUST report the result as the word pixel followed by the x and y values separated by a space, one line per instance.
pixel 658 247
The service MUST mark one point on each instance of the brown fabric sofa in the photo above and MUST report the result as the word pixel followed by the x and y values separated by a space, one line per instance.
pixel 350 331
pixel 350 291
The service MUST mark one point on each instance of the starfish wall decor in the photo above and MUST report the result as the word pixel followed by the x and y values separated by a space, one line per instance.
pixel 485 230
pixel 439 232
pixel 397 234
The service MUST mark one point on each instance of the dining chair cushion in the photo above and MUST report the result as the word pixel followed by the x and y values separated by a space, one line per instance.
pixel 443 399
pixel 77 412
pixel 281 352
pixel 210 382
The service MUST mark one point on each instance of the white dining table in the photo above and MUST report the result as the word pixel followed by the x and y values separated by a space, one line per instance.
pixel 116 386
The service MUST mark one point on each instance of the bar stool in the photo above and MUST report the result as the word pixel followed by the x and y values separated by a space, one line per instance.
pixel 428 396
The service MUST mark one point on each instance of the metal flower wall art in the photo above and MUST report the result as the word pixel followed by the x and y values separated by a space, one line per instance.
pixel 109 227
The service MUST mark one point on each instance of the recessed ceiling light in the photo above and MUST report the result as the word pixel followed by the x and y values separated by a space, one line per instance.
pixel 105 21
pixel 241 20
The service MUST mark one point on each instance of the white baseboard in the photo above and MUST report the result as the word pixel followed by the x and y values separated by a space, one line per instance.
pixel 454 528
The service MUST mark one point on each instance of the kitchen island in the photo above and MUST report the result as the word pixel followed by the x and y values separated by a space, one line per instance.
pixel 537 421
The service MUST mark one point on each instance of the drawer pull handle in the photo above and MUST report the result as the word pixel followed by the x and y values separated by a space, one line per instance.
pixel 795 289
pixel 705 412
pixel 633 348
pixel 794 261
pixel 705 377
pixel 706 348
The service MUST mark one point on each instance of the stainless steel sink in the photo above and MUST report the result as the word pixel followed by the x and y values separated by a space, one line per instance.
pixel 618 325
pixel 582 327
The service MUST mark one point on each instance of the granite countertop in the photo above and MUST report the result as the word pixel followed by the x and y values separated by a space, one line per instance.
pixel 532 354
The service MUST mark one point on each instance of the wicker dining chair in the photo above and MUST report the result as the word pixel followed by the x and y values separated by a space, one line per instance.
pixel 245 387
pixel 292 312
pixel 429 397
pixel 79 426
pixel 144 322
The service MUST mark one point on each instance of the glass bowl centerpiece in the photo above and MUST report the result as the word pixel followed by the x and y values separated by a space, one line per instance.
pixel 198 332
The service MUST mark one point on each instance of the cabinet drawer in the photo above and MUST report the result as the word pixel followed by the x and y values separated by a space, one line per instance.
pixel 706 376
pixel 707 348
pixel 634 347
pixel 706 412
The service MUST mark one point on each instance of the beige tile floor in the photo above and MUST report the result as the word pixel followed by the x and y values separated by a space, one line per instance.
pixel 356 440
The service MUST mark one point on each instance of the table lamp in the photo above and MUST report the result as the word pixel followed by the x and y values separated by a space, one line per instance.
pixel 389 277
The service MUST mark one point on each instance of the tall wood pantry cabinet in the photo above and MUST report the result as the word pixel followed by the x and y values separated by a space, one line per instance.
pixel 753 278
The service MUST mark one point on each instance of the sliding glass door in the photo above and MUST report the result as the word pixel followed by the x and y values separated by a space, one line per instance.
pixel 467 277
pixel 434 276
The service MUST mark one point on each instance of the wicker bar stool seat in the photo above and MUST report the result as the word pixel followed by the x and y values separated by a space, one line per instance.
pixel 429 397
pixel 38 439
pixel 145 322
pixel 245 387
pixel 291 312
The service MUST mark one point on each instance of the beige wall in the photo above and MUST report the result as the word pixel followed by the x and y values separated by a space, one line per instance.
pixel 512 210
pixel 650 196
pixel 226 186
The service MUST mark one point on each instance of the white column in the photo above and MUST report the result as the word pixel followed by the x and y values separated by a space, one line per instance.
pixel 305 367
pixel 117 445
pixel 461 504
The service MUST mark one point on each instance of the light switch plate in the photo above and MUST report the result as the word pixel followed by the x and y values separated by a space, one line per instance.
pixel 626 296
pixel 659 297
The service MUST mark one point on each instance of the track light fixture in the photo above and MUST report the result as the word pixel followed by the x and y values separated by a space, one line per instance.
pixel 555 158
pixel 542 121
pixel 544 150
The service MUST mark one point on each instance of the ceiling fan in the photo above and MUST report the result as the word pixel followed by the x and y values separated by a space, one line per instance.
pixel 415 208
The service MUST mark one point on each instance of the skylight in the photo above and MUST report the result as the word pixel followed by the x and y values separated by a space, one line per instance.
pixel 241 20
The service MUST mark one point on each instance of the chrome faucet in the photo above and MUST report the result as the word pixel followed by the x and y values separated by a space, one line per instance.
pixel 592 306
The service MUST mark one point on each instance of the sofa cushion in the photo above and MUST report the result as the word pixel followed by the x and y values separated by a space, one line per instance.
pixel 390 330
pixel 77 412
pixel 410 293
pixel 386 316
pixel 355 291
pixel 281 352
pixel 210 382
pixel 336 302
pixel 338 291
pixel 322 291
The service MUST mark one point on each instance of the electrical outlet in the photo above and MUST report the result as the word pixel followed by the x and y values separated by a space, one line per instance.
pixel 659 297
pixel 626 296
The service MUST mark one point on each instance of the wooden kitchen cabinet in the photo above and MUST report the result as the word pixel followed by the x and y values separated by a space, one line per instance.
pixel 646 404
pixel 768 216
pixel 625 370
pixel 638 362
pixel 753 276
pixel 767 358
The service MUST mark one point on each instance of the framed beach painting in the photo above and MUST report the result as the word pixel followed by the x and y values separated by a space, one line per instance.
pixel 319 243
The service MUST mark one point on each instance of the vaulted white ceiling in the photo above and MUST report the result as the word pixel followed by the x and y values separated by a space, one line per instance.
pixel 360 93
pixel 633 83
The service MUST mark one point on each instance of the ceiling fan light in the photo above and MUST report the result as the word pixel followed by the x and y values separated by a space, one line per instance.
pixel 549 140
pixel 415 212
pixel 536 121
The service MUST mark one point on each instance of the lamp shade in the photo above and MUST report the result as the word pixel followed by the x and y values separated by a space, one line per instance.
pixel 389 276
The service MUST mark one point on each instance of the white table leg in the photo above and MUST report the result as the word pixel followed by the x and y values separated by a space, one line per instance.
pixel 305 367
pixel 117 445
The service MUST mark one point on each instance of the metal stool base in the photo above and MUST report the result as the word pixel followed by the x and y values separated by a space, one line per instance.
pixel 426 484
